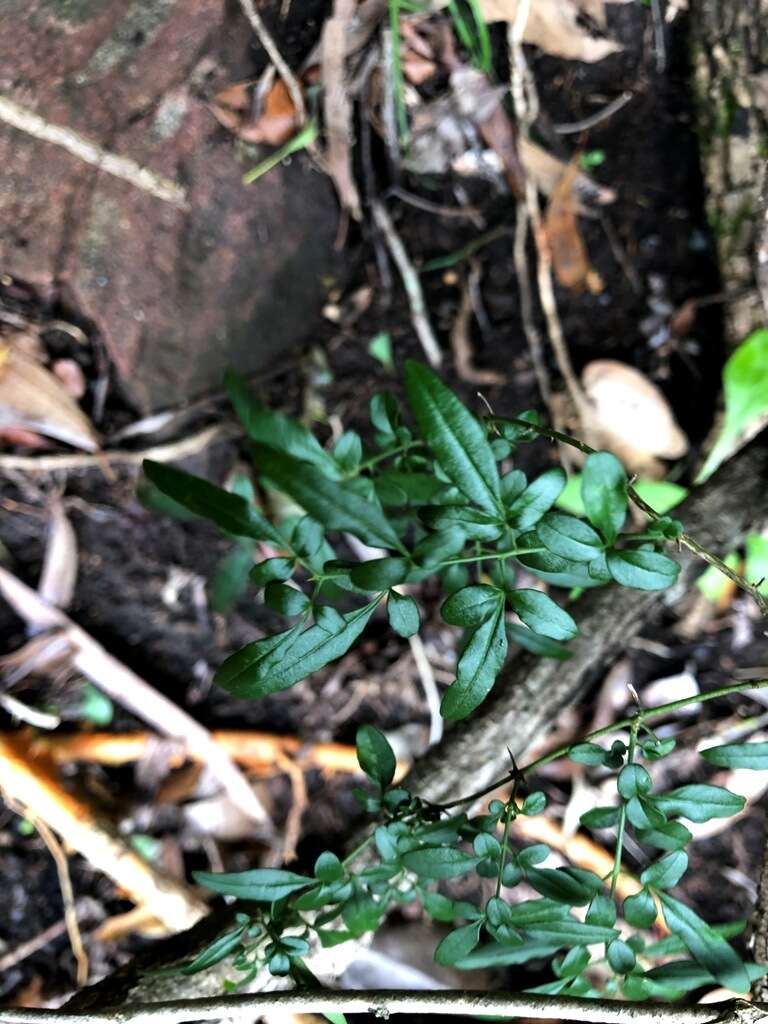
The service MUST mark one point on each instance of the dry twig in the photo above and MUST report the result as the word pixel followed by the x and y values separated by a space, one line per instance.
pixel 132 692
pixel 265 38
pixel 337 106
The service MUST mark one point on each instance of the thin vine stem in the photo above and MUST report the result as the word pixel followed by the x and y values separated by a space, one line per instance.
pixel 684 539
pixel 622 823
pixel 642 716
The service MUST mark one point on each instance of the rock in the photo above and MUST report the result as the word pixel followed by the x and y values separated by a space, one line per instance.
pixel 215 274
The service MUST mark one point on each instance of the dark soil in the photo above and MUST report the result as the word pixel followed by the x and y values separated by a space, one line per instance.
pixel 130 556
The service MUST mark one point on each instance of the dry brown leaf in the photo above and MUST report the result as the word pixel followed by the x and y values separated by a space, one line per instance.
pixel 31 398
pixel 233 107
pixel 631 417
pixel 71 376
pixel 547 170
pixel 59 573
pixel 417 69
pixel 566 244
pixel 553 26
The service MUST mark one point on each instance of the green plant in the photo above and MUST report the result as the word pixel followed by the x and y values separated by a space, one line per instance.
pixel 417 847
pixel 437 498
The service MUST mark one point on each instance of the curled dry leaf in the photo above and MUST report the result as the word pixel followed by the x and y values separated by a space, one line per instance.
pixel 547 170
pixel 32 398
pixel 566 244
pixel 234 108
pixel 553 26
pixel 631 417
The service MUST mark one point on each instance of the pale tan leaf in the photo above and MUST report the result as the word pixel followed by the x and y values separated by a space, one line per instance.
pixel 59 573
pixel 553 26
pixel 566 243
pixel 32 398
pixel 547 170
pixel 631 417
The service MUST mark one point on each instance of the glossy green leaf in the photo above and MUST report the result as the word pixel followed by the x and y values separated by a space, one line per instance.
pixel 480 663
pixel 600 817
pixel 745 387
pixel 641 569
pixel 738 755
pixel 217 951
pixel 587 753
pixel 265 667
pixel 262 885
pixel 335 505
pixel 534 804
pixel 231 512
pixel 328 619
pixel 570 932
pixel 704 944
pixel 494 954
pixel 439 907
pixel 537 644
pixel 640 910
pixel 620 956
pixel 328 867
pixel 667 872
pixel 538 497
pixel 565 885
pixel 348 451
pixel 604 493
pixel 375 756
pixel 230 578
pixel 457 945
pixel 671 836
pixel 456 437
pixel 380 573
pixel 541 614
pixel 272 569
pixel 361 913
pixel 633 780
pixel 438 862
pixel 569 537
pixel 265 426
pixel 471 606
pixel 284 599
pixel 601 911
pixel 699 802
pixel 403 613
pixel 439 547
pixel 553 568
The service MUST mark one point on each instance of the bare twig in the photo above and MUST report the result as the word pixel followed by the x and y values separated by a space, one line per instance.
pixel 419 314
pixel 32 783
pixel 427 677
pixel 170 452
pixel 382 1003
pixel 530 329
pixel 265 38
pixel 574 127
pixel 67 896
pixel 128 689
pixel 524 109
pixel 90 153
pixel 337 106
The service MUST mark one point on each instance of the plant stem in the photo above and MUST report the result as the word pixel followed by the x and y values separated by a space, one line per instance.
pixel 382 1003
pixel 622 824
pixel 509 816
pixel 642 716
pixel 487 556
pixel 689 542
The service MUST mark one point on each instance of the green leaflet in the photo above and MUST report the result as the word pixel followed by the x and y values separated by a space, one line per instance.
pixel 457 944
pixel 478 667
pixel 569 537
pixel 375 756
pixel 231 512
pixel 333 504
pixel 538 497
pixel 745 384
pixel 604 493
pixel 263 885
pixel 667 872
pixel 471 606
pixel 540 613
pixel 439 862
pixel 455 436
pixel 699 802
pixel 536 643
pixel 274 429
pixel 705 945
pixel 215 952
pixel 738 755
pixel 643 570
pixel 403 613
pixel 277 663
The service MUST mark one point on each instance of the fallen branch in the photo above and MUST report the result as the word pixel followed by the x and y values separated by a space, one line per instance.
pixel 122 167
pixel 34 786
pixel 382 1003
pixel 419 314
pixel 87 656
